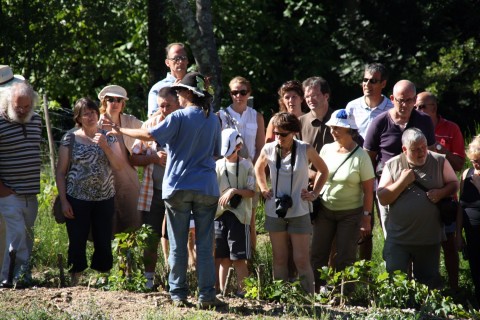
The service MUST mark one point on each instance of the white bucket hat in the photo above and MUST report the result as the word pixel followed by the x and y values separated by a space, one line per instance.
pixel 340 118
pixel 230 139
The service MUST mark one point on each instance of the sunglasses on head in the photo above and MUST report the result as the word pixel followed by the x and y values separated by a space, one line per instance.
pixel 281 134
pixel 112 99
pixel 242 92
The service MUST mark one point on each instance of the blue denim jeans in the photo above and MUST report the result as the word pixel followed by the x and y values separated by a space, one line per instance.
pixel 179 207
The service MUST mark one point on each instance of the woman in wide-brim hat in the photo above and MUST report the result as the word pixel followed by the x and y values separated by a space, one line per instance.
pixel 192 139
pixel 127 186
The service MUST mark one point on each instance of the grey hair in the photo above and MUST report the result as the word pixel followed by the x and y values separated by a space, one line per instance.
pixel 19 89
pixel 412 135
pixel 377 67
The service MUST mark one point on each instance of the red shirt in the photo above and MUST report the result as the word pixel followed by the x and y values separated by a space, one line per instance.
pixel 448 134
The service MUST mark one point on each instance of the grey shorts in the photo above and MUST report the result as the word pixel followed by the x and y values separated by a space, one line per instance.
pixel 301 225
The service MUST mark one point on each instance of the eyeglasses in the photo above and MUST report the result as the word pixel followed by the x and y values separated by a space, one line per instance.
pixel 281 134
pixel 405 101
pixel 477 161
pixel 371 80
pixel 178 58
pixel 236 92
pixel 111 99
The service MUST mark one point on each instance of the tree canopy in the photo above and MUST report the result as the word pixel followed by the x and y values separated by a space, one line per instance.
pixel 72 49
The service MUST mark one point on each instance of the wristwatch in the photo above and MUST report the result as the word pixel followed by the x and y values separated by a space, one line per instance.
pixel 366 213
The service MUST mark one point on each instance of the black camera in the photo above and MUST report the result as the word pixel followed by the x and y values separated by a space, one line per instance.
pixel 235 201
pixel 282 205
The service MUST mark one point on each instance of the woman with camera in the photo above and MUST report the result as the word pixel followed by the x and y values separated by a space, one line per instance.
pixel 287 205
pixel 347 197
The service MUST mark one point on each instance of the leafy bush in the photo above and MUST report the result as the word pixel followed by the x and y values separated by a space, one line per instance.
pixel 388 290
pixel 128 271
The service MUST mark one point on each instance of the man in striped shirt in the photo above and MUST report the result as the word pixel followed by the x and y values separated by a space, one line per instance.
pixel 20 137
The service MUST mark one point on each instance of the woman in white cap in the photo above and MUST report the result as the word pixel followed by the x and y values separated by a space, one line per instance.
pixel 346 198
pixel 192 139
pixel 127 186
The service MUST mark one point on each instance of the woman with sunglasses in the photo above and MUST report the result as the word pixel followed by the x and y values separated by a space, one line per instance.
pixel 290 99
pixel 251 126
pixel 287 205
pixel 127 186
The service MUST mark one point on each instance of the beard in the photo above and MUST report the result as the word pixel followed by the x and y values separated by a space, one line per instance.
pixel 15 117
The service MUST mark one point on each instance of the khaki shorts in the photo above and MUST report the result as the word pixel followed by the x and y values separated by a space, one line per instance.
pixel 301 225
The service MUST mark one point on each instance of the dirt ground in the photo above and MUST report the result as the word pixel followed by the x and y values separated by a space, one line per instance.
pixel 91 303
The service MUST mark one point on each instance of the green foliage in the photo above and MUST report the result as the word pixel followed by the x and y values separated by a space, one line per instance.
pixel 128 272
pixel 50 238
pixel 388 290
pixel 277 290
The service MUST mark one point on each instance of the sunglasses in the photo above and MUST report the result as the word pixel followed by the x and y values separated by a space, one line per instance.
pixel 281 134
pixel 111 99
pixel 372 80
pixel 236 92
pixel 477 161
pixel 178 58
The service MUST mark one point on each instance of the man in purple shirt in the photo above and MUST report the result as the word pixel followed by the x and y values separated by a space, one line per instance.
pixel 384 135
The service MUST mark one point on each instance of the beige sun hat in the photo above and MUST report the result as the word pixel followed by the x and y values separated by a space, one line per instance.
pixel 113 91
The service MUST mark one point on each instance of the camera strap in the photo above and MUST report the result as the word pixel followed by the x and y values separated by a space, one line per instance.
pixel 278 164
pixel 236 171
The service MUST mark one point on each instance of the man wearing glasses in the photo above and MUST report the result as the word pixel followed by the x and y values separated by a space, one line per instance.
pixel 177 61
pixel 364 110
pixel 383 140
pixel 450 143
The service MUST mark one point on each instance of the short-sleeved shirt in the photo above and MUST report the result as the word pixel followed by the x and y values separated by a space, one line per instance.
pixel 364 115
pixel 448 134
pixel 152 94
pixel 227 178
pixel 20 159
pixel 345 190
pixel 192 141
pixel 385 137
pixel 314 131
pixel 90 177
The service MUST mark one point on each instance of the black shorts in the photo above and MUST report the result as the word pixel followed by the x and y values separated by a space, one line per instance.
pixel 232 238
pixel 155 216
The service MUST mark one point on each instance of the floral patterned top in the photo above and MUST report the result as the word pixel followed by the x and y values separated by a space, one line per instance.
pixel 90 176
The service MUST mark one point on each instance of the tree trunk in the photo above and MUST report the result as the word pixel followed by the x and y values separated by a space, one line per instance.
pixel 157 32
pixel 199 31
